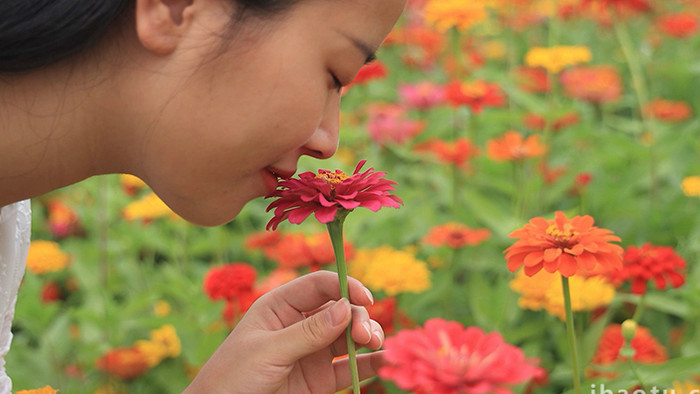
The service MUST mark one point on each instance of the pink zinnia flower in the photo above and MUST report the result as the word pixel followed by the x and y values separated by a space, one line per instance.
pixel 423 95
pixel 323 193
pixel 389 124
pixel 444 358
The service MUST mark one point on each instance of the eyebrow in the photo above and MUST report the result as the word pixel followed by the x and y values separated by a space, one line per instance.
pixel 365 48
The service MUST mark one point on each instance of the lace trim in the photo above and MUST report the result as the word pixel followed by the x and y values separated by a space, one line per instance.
pixel 15 231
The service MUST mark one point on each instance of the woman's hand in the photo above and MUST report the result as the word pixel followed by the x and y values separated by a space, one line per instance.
pixel 287 341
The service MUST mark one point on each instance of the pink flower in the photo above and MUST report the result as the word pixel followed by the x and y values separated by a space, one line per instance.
pixel 389 124
pixel 422 95
pixel 444 358
pixel 323 193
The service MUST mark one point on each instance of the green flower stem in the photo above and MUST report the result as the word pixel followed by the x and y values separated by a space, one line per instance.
pixel 335 229
pixel 639 309
pixel 642 95
pixel 571 335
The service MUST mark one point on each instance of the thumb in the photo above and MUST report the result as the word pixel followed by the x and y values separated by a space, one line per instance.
pixel 313 333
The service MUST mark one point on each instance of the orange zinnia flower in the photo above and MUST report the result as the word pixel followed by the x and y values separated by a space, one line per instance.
pixel 457 152
pixel 511 146
pixel 124 363
pixel 669 110
pixel 44 390
pixel 456 235
pixel 476 95
pixel 569 246
pixel 596 84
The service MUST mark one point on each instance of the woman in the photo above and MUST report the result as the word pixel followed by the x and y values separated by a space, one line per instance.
pixel 208 101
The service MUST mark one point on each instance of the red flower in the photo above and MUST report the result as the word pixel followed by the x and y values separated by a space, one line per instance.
pixel 124 363
pixel 532 79
pixel 325 192
pixel 476 95
pixel 456 235
pixel 596 84
pixel 384 312
pixel 262 240
pixel 445 358
pixel 669 110
pixel 457 152
pixel 51 292
pixel 640 265
pixel 678 25
pixel 569 246
pixel 621 6
pixel 537 122
pixel 229 281
pixel 580 182
pixel 63 221
pixel 300 250
pixel 550 174
pixel 647 349
pixel 234 309
pixel 369 72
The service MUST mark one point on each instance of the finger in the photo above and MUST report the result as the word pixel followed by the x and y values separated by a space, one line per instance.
pixel 312 334
pixel 311 291
pixel 377 336
pixel 340 345
pixel 367 366
pixel 361 326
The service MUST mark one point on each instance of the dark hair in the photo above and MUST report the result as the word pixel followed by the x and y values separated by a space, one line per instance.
pixel 36 33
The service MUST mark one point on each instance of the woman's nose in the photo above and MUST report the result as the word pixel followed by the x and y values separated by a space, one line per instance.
pixel 324 141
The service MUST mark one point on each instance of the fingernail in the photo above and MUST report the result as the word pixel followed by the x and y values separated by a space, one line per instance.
pixel 338 312
pixel 379 335
pixel 368 328
pixel 369 295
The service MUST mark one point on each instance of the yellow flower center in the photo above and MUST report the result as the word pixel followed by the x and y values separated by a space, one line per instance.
pixel 332 178
pixel 474 89
pixel 561 236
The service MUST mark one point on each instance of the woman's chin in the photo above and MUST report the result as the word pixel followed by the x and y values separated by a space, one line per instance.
pixel 208 215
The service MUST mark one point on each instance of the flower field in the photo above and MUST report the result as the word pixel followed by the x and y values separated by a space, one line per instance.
pixel 547 154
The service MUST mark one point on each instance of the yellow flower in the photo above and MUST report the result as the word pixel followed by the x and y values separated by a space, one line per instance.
pixel 556 58
pixel 462 14
pixel 167 337
pixel 153 352
pixel 686 387
pixel 691 186
pixel 148 208
pixel 587 294
pixel 46 256
pixel 533 289
pixel 44 390
pixel 544 291
pixel 163 343
pixel 131 182
pixel 389 270
pixel 161 309
pixel 494 49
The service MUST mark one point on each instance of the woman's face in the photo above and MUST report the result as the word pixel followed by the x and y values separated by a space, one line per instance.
pixel 249 113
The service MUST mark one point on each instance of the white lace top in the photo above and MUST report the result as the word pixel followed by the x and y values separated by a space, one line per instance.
pixel 15 228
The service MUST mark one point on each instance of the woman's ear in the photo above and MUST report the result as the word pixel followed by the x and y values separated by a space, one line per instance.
pixel 161 24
